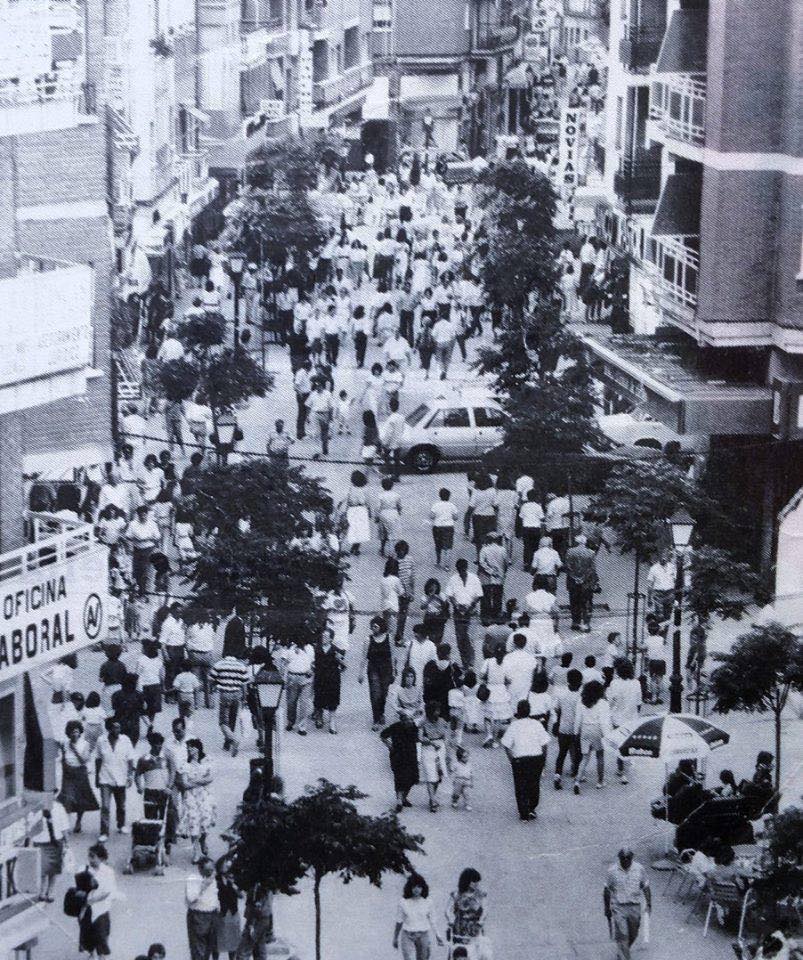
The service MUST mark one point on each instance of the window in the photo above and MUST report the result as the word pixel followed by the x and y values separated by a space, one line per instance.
pixel 451 417
pixel 8 749
pixel 417 415
pixel 351 47
pixel 488 417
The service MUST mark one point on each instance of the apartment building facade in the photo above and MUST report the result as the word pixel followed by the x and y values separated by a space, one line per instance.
pixel 704 179
pixel 445 66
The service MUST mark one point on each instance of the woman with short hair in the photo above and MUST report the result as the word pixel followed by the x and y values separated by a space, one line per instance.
pixel 198 812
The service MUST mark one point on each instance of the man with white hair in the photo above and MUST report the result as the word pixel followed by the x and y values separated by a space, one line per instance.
pixel 625 885
pixel 581 581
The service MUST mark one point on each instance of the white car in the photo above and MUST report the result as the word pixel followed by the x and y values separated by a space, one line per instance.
pixel 451 428
pixel 626 430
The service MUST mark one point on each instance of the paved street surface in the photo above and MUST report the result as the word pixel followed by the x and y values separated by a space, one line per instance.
pixel 544 879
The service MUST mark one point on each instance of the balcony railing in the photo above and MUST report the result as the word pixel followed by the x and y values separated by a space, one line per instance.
pixel 488 36
pixel 676 268
pixel 637 183
pixel 677 107
pixel 60 85
pixel 54 541
pixel 638 49
pixel 327 93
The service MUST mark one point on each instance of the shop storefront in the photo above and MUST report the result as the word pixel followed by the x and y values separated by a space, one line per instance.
pixel 53 601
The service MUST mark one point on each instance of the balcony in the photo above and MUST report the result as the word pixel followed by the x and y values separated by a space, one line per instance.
pixel 330 93
pixel 489 37
pixel 637 183
pixel 675 269
pixel 677 108
pixel 638 49
pixel 50 101
pixel 191 171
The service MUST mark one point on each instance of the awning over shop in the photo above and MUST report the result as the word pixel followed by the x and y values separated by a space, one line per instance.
pixel 516 78
pixel 198 115
pixel 429 86
pixel 685 42
pixel 231 157
pixel 678 213
pixel 62 464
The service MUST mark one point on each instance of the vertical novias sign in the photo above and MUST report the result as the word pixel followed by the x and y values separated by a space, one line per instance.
pixel 572 120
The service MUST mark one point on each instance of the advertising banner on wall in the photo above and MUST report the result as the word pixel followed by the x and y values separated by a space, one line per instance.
pixel 572 125
pixel 57 603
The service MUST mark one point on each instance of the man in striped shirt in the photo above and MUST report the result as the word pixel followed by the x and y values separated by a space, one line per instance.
pixel 407 577
pixel 230 676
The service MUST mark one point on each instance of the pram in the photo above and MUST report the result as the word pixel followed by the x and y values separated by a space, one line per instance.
pixel 149 835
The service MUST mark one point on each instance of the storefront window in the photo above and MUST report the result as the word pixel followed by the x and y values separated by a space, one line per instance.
pixel 8 752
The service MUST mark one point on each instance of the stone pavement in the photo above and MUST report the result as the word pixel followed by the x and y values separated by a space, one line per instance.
pixel 544 879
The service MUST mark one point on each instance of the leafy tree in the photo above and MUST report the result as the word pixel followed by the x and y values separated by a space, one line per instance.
pixel 636 502
pixel 719 585
pixel 229 379
pixel 333 838
pixel 177 379
pixel 271 226
pixel 264 859
pixel 252 515
pixel 781 881
pixel 201 332
pixel 293 163
pixel 757 675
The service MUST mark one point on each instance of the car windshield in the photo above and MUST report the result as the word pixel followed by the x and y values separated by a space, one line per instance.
pixel 414 418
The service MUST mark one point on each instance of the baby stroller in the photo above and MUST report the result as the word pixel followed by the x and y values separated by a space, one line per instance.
pixel 148 836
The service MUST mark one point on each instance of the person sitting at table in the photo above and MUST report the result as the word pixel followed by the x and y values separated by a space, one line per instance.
pixel 725 871
pixel 759 791
pixel 682 776
pixel 728 786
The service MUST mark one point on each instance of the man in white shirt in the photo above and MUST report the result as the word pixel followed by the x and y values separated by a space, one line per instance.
pixel 443 516
pixel 518 668
pixel 591 671
pixel 464 593
pixel 299 661
pixel 624 696
pixel 531 517
pixel 656 660
pixel 100 898
pixel 203 907
pixel 525 742
pixel 556 522
pixel 171 349
pixel 114 774
pixel 661 586
pixel 546 566
pixel 444 334
pixel 173 638
pixel 320 407
pixel 391 436
pixel 420 651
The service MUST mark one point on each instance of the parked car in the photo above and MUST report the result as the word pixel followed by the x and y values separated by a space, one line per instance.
pixel 629 431
pixel 451 428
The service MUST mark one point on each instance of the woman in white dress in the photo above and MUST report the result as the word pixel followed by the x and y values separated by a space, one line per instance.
pixel 507 503
pixel 497 704
pixel 358 514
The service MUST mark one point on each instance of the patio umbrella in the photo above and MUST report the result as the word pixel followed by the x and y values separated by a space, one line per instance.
pixel 672 737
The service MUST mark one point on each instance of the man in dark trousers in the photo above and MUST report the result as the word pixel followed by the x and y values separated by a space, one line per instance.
pixel 525 742
pixel 581 581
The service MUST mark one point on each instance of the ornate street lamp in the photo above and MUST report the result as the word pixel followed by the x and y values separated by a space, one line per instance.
pixel 269 685
pixel 682 528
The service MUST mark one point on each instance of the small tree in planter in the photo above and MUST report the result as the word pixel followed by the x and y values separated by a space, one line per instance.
pixel 719 585
pixel 781 881
pixel 757 675
pixel 178 379
pixel 202 332
pixel 333 838
pixel 229 379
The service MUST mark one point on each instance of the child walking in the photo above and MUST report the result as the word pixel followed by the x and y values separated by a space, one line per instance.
pixel 462 779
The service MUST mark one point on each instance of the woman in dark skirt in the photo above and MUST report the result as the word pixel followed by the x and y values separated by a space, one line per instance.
pixel 326 682
pixel 401 739
pixel 128 706
pixel 76 792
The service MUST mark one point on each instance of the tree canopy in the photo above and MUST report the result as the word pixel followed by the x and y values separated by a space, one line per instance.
pixel 256 515
pixel 757 675
pixel 269 226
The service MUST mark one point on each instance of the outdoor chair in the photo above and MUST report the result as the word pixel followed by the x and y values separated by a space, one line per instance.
pixel 727 895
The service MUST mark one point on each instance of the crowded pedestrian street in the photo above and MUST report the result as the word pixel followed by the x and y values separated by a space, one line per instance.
pixel 401 499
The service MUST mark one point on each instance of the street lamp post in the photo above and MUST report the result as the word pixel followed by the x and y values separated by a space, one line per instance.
pixel 269 685
pixel 682 527
pixel 236 265
pixel 225 437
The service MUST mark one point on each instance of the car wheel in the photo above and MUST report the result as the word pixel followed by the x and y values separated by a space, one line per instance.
pixel 423 459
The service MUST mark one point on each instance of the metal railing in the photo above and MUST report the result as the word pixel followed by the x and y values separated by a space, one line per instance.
pixel 638 179
pixel 327 93
pixel 53 541
pixel 676 268
pixel 638 48
pixel 59 85
pixel 677 106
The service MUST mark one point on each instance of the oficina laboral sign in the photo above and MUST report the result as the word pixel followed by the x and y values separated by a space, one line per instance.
pixel 56 608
